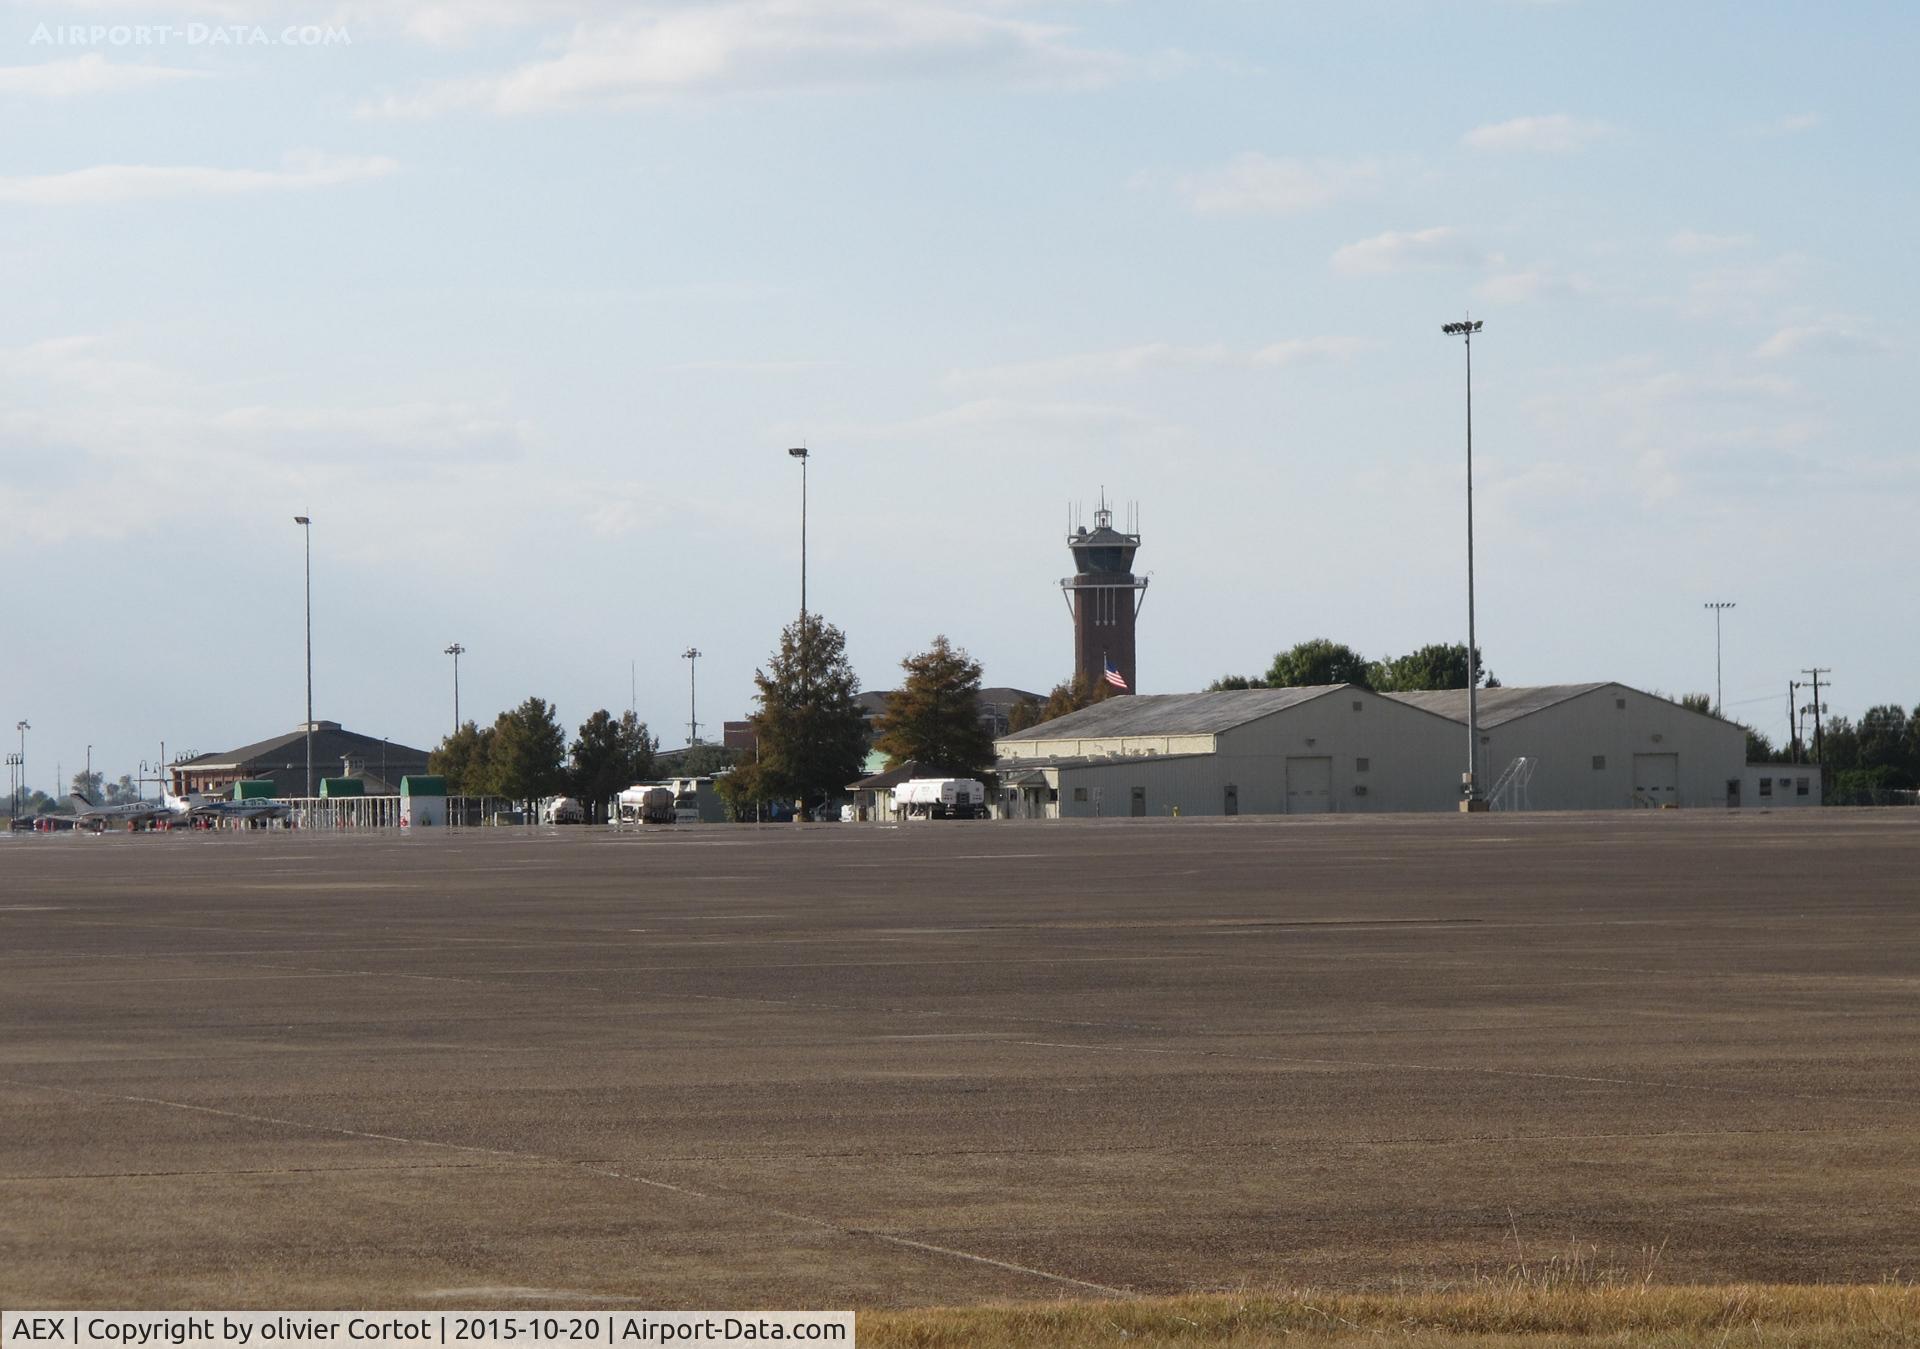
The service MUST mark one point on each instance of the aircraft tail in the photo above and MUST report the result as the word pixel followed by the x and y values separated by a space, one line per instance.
pixel 80 803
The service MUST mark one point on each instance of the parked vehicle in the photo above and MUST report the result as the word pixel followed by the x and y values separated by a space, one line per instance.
pixel 646 804
pixel 941 799
pixel 564 810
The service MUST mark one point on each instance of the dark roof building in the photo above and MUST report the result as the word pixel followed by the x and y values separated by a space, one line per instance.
pixel 282 760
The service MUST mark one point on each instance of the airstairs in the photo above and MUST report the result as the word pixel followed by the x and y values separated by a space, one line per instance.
pixel 1512 791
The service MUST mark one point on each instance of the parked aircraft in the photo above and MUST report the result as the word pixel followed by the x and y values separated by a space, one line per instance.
pixel 133 814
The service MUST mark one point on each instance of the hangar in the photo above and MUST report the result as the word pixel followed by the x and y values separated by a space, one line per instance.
pixel 1339 748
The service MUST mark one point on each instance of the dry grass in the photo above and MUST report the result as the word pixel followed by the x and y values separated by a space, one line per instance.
pixel 1564 1302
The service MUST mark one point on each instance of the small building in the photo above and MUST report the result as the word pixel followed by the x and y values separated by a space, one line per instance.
pixel 283 761
pixel 1779 784
pixel 1339 748
pixel 873 794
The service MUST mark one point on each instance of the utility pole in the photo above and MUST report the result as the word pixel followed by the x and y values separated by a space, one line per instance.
pixel 1718 607
pixel 1473 801
pixel 23 726
pixel 692 657
pixel 455 650
pixel 1793 721
pixel 1819 712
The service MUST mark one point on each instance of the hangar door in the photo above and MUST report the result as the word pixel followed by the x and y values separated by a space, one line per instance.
pixel 1656 779
pixel 1309 786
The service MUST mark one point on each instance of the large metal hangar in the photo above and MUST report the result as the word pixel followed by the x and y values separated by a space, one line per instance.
pixel 1340 748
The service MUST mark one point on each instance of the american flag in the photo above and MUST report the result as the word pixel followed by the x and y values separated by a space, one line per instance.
pixel 1114 677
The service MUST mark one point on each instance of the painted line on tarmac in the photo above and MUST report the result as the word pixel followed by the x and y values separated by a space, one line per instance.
pixel 543 1159
pixel 1463 1068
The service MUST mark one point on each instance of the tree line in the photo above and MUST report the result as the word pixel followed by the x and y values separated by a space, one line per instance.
pixel 1320 660
pixel 524 756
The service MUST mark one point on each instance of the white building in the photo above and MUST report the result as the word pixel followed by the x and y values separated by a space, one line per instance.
pixel 1339 748
pixel 1780 784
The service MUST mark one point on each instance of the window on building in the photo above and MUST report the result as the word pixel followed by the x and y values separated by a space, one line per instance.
pixel 1079 793
pixel 1620 704
pixel 1599 762
pixel 1356 704
pixel 1766 786
pixel 1800 787
pixel 1362 765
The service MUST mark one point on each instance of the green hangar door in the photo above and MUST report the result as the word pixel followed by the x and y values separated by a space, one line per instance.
pixel 1656 779
pixel 1309 786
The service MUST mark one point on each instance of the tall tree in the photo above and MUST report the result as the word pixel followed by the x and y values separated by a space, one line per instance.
pixel 465 760
pixel 609 756
pixel 1697 702
pixel 1438 665
pixel 1319 661
pixel 934 717
pixel 88 785
pixel 1074 693
pixel 1229 683
pixel 813 738
pixel 528 756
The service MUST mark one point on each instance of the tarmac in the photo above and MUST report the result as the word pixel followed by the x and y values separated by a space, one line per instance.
pixel 942 1063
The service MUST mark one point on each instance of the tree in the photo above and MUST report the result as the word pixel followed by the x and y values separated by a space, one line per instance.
pixel 608 757
pixel 465 760
pixel 1438 665
pixel 121 792
pixel 1319 661
pixel 698 761
pixel 1228 682
pixel 934 717
pixel 1070 695
pixel 527 760
pixel 1697 702
pixel 813 738
pixel 1759 748
pixel 743 789
pixel 1027 712
pixel 88 785
pixel 1884 747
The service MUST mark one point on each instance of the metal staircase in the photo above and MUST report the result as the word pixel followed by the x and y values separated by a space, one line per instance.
pixel 1511 791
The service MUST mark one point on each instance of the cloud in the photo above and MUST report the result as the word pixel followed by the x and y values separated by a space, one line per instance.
pixel 1257 184
pixel 88 74
pixel 105 184
pixel 1123 361
pixel 1539 283
pixel 764 46
pixel 1793 124
pixel 1694 244
pixel 1556 134
pixel 1825 337
pixel 1394 251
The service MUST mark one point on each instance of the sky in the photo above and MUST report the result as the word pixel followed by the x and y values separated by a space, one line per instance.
pixel 523 302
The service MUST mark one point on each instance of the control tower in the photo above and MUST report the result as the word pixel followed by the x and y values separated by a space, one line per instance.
pixel 1104 597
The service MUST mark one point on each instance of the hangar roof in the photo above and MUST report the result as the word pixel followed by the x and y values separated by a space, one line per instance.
pixel 1171 713
pixel 1497 706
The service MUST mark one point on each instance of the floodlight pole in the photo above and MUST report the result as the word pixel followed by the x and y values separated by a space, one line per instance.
pixel 23 726
pixel 306 529
pixel 800 452
pixel 1718 607
pixel 455 650
pixel 1473 801
pixel 692 657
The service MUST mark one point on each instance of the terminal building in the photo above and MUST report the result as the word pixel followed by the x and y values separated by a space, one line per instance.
pixel 1340 749
pixel 337 753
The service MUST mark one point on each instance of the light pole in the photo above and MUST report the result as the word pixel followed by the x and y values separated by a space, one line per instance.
pixel 89 778
pixel 306 528
pixel 23 726
pixel 455 650
pixel 692 657
pixel 800 452
pixel 1473 801
pixel 1718 607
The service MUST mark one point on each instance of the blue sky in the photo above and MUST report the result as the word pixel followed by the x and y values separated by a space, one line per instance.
pixel 523 301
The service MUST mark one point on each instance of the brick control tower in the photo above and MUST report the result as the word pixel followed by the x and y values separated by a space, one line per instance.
pixel 1104 597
